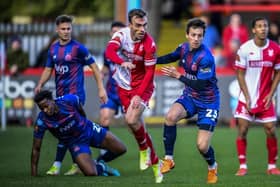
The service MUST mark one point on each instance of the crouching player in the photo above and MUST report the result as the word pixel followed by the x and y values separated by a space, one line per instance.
pixel 65 118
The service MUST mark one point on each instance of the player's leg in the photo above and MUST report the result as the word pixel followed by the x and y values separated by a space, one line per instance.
pixel 176 112
pixel 206 150
pixel 268 118
pixel 241 145
pixel 148 156
pixel 107 112
pixel 60 154
pixel 132 118
pixel 243 118
pixel 82 156
pixel 272 148
pixel 86 164
pixel 114 147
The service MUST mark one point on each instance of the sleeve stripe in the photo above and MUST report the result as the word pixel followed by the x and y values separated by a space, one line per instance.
pixel 150 62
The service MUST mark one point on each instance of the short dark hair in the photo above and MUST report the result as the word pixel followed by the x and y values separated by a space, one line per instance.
pixel 117 24
pixel 257 19
pixel 63 19
pixel 195 23
pixel 139 13
pixel 45 94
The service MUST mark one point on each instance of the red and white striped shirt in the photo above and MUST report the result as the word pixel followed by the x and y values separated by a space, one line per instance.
pixel 259 63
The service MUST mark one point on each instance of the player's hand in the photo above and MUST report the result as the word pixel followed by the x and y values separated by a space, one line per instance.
pixel 103 96
pixel 38 88
pixel 128 65
pixel 170 71
pixel 136 101
pixel 248 103
pixel 267 101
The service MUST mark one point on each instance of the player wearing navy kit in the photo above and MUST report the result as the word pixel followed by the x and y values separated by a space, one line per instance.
pixel 65 118
pixel 200 96
pixel 68 57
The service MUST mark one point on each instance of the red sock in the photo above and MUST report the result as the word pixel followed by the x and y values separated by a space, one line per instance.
pixel 154 157
pixel 271 145
pixel 241 145
pixel 140 136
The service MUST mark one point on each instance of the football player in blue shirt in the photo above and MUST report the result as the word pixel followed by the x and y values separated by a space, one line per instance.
pixel 200 96
pixel 67 57
pixel 113 106
pixel 65 118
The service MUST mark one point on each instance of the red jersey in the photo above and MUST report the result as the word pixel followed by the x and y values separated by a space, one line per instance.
pixel 259 63
pixel 121 48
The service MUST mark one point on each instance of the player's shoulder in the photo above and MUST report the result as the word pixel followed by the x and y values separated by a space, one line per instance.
pixel 273 44
pixel 250 44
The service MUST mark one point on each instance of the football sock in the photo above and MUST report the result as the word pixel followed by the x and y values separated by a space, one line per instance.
pixel 100 169
pixel 140 136
pixel 60 152
pixel 241 145
pixel 271 144
pixel 107 128
pixel 108 156
pixel 154 157
pixel 209 156
pixel 57 164
pixel 169 138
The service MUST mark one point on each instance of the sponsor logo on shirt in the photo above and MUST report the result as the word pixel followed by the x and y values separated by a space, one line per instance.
pixel 191 77
pixel 205 70
pixel 270 52
pixel 61 69
pixel 260 63
pixel 68 57
pixel 67 127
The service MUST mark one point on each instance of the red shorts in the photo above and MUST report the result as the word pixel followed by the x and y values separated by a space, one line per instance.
pixel 126 96
pixel 263 116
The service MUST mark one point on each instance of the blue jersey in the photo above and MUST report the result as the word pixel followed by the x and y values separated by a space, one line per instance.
pixel 198 64
pixel 69 61
pixel 111 86
pixel 68 125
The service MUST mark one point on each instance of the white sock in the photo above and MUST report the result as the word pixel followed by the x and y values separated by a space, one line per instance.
pixel 271 166
pixel 57 164
pixel 213 166
pixel 168 157
pixel 243 166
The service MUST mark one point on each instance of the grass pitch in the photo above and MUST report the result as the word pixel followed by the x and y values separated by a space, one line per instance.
pixel 190 168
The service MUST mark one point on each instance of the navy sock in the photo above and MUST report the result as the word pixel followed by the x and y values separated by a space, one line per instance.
pixel 209 156
pixel 100 169
pixel 108 156
pixel 60 152
pixel 169 138
pixel 108 128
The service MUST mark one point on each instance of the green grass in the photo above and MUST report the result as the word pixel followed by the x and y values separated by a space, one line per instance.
pixel 190 168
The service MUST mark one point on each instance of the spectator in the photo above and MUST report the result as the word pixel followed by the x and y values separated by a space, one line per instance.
pixel 273 33
pixel 17 59
pixel 234 34
pixel 211 38
pixel 43 55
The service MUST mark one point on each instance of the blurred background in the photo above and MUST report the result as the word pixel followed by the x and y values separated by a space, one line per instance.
pixel 29 25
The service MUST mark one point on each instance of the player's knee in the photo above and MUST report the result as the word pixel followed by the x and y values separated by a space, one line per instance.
pixel 105 122
pixel 202 147
pixel 171 118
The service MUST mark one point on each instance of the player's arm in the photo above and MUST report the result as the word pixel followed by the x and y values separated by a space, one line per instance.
pixel 171 71
pixel 276 78
pixel 240 74
pixel 35 155
pixel 97 75
pixel 43 79
pixel 171 57
pixel 81 110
